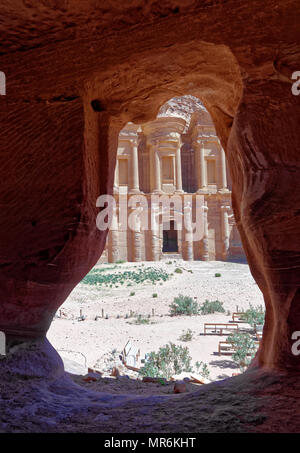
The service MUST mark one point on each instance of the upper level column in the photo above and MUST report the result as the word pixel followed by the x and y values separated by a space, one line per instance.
pixel 201 171
pixel 178 169
pixel 155 164
pixel 134 180
pixel 224 187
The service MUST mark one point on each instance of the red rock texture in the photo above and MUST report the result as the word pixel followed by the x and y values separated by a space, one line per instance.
pixel 58 147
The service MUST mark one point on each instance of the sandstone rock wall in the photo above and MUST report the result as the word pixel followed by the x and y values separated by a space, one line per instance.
pixel 77 72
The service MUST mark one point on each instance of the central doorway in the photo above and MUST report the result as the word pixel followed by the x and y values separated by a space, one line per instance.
pixel 170 239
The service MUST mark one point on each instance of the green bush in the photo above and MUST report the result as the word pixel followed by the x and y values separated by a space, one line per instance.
pixel 183 305
pixel 211 307
pixel 217 275
pixel 202 369
pixel 154 295
pixel 99 276
pixel 168 361
pixel 245 349
pixel 186 335
pixel 132 293
pixel 178 270
pixel 254 315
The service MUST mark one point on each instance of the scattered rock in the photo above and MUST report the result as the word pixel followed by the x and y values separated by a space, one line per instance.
pixel 92 370
pixel 91 377
pixel 198 379
pixel 115 372
pixel 180 387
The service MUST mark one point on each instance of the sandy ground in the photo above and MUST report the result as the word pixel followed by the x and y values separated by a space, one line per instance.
pixel 86 341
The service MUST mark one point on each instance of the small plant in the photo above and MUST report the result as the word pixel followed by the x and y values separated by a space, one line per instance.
pixel 202 369
pixel 186 335
pixel 178 270
pixel 217 274
pixel 168 361
pixel 132 293
pixel 141 320
pixel 154 295
pixel 211 307
pixel 245 349
pixel 184 305
pixel 162 381
pixel 254 315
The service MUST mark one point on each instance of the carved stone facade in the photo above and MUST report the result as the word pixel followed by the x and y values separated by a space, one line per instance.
pixel 171 156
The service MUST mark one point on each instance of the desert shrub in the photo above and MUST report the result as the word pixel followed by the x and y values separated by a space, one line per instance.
pixel 154 295
pixel 178 270
pixel 183 305
pixel 150 274
pixel 217 274
pixel 186 335
pixel 254 315
pixel 132 293
pixel 141 320
pixel 168 361
pixel 245 349
pixel 202 369
pixel 211 307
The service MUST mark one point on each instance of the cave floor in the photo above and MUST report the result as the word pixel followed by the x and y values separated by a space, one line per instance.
pixel 253 402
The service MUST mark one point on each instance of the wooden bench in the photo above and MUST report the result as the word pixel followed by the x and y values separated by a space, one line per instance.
pixel 227 348
pixel 219 328
pixel 238 317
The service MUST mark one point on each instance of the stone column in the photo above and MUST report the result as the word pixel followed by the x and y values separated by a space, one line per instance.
pixel 205 252
pixel 116 178
pixel 135 234
pixel 174 170
pixel 187 243
pixel 156 167
pixel 223 172
pixel 155 240
pixel 113 239
pixel 178 170
pixel 225 230
pixel 134 180
pixel 201 166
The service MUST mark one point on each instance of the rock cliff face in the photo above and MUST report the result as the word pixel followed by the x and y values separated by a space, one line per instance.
pixel 77 72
